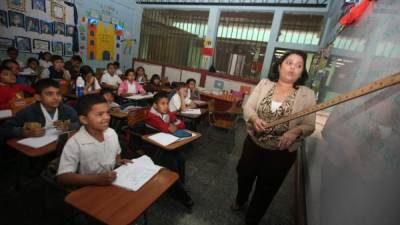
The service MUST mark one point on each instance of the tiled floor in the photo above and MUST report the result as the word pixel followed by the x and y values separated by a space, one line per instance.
pixel 211 181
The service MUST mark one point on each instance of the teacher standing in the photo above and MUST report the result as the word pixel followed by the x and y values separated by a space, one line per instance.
pixel 269 153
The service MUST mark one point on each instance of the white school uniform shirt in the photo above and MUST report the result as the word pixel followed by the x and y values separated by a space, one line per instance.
pixel 96 85
pixel 175 102
pixel 28 72
pixel 85 155
pixel 45 64
pixel 49 120
pixel 112 80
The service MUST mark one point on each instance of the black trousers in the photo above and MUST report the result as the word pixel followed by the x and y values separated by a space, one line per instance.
pixel 270 167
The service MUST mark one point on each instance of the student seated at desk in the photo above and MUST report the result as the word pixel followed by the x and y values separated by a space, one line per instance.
pixel 45 60
pixel 48 112
pixel 130 86
pixel 141 75
pixel 13 66
pixel 155 84
pixel 92 86
pixel 180 100
pixel 9 90
pixel 193 93
pixel 108 94
pixel 90 155
pixel 161 119
pixel 33 68
pixel 110 79
pixel 57 70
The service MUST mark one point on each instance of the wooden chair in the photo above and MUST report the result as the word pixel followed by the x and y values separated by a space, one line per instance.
pixel 223 120
pixel 18 104
pixel 135 129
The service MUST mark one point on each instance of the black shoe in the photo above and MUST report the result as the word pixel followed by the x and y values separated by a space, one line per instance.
pixel 183 198
pixel 236 207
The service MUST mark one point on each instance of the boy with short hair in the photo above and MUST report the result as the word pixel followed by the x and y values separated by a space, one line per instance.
pixel 48 112
pixel 118 70
pixel 108 94
pixel 93 152
pixel 12 54
pixel 110 79
pixel 9 89
pixel 73 66
pixel 57 70
pixel 193 93
pixel 180 100
pixel 161 119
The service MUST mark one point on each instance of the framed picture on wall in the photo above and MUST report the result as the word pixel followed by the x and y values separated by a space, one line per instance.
pixel 59 28
pixel 3 19
pixel 57 48
pixel 68 49
pixel 39 5
pixel 5 43
pixel 16 19
pixel 46 27
pixel 69 30
pixel 23 44
pixel 41 45
pixel 58 12
pixel 32 24
pixel 18 5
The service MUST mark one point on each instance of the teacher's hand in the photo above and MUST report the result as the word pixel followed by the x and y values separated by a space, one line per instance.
pixel 287 139
pixel 259 124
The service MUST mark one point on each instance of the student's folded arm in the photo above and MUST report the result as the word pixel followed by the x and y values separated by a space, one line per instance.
pixel 157 123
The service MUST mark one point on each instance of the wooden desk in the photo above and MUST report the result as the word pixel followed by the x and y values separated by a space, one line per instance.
pixel 118 113
pixel 192 116
pixel 175 145
pixel 117 206
pixel 32 152
pixel 227 98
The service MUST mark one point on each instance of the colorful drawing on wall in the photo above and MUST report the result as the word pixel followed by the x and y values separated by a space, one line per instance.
pixel 18 5
pixel 100 40
pixel 46 27
pixel 5 43
pixel 39 5
pixel 16 19
pixel 59 28
pixel 69 30
pixel 58 12
pixel 23 44
pixel 68 49
pixel 57 48
pixel 32 24
pixel 219 84
pixel 3 19
pixel 41 45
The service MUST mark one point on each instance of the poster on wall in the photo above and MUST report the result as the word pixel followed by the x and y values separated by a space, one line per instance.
pixel 3 19
pixel 59 28
pixel 39 5
pixel 69 30
pixel 32 24
pixel 101 40
pixel 46 27
pixel 16 19
pixel 58 12
pixel 68 49
pixel 41 45
pixel 18 5
pixel 5 43
pixel 57 48
pixel 23 44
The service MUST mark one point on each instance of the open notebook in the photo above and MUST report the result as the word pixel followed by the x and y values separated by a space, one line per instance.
pixel 140 97
pixel 133 176
pixel 192 112
pixel 37 142
pixel 166 139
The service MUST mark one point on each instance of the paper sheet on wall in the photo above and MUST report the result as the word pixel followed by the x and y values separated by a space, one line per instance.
pixel 133 176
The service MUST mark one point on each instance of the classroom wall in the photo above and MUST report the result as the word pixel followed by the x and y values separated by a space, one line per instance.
pixel 124 13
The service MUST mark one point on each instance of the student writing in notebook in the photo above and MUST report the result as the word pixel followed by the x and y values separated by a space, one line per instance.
pixel 48 112
pixel 89 156
pixel 161 119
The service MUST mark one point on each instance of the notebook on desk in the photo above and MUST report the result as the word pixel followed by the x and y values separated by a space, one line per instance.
pixel 140 97
pixel 166 139
pixel 192 112
pixel 37 142
pixel 133 176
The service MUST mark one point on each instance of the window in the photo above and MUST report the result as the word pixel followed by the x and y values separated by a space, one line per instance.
pixel 173 36
pixel 241 42
pixel 301 29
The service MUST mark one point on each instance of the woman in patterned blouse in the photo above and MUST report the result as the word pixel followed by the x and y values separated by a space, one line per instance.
pixel 268 154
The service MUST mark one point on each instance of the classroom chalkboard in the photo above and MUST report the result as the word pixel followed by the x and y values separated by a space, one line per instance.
pixel 353 160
